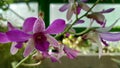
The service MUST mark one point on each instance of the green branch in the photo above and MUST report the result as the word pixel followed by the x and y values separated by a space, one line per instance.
pixel 69 27
pixel 21 62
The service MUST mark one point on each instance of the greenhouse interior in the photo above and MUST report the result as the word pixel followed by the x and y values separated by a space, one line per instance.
pixel 60 33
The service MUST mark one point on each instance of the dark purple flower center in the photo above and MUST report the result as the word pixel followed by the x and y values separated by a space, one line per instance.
pixel 40 41
pixel 39 37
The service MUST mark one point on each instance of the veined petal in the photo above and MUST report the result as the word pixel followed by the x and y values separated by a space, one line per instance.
pixel 52 40
pixel 110 36
pixel 10 26
pixel 17 36
pixel 13 49
pixel 77 11
pixel 29 48
pixel 69 13
pixel 64 7
pixel 56 27
pixel 28 24
pixel 42 46
pixel 108 10
pixel 39 26
pixel 70 52
pixel 3 38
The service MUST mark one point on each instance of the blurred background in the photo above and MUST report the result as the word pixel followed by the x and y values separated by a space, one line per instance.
pixel 15 11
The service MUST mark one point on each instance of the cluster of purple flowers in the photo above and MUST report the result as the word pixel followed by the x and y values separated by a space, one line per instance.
pixel 35 37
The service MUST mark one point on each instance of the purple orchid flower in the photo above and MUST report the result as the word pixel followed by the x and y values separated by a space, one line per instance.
pixel 34 35
pixel 3 38
pixel 55 53
pixel 73 8
pixel 109 36
pixel 17 45
pixel 61 51
pixel 101 35
pixel 71 53
pixel 99 17
pixel 41 39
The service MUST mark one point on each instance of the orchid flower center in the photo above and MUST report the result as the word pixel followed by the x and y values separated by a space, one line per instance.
pixel 39 37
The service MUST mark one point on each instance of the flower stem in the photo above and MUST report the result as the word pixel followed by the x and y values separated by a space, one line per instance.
pixel 69 27
pixel 34 64
pixel 21 61
pixel 18 64
pixel 86 30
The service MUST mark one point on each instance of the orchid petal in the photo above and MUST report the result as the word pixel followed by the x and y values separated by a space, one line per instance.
pixel 84 6
pixel 29 48
pixel 55 56
pixel 104 42
pixel 39 26
pixel 100 18
pixel 45 54
pixel 80 22
pixel 108 10
pixel 106 29
pixel 95 38
pixel 54 59
pixel 77 11
pixel 52 40
pixel 56 27
pixel 4 38
pixel 42 46
pixel 110 36
pixel 10 26
pixel 69 13
pixel 19 45
pixel 13 49
pixel 28 24
pixel 100 47
pixel 17 36
pixel 64 7
pixel 70 52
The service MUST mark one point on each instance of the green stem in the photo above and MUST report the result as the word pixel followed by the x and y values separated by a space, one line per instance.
pixel 21 61
pixel 86 30
pixel 69 27
pixel 18 64
pixel 34 64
